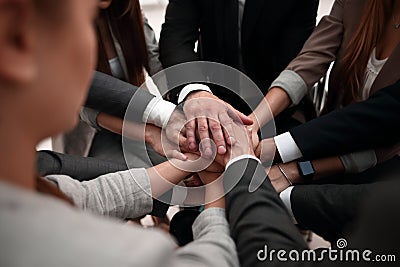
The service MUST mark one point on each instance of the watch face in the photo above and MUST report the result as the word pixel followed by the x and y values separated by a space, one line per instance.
pixel 306 168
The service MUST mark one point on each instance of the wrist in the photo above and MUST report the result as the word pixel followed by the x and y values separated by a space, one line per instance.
pixel 241 157
pixel 256 124
pixel 219 203
pixel 149 133
pixel 293 172
pixel 190 89
pixel 197 94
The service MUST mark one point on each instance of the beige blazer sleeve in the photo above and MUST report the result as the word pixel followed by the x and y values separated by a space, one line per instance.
pixel 314 59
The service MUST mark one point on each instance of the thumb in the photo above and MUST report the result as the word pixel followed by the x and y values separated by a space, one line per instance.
pixel 250 140
pixel 239 116
pixel 245 119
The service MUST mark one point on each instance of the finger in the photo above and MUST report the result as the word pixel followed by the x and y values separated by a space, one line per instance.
pixel 183 143
pixel 250 137
pixel 193 181
pixel 227 126
pixel 202 129
pixel 174 127
pixel 190 127
pixel 215 167
pixel 258 150
pixel 246 120
pixel 217 135
pixel 176 154
pixel 239 116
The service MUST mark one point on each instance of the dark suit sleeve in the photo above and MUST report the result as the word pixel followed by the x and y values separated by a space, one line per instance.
pixel 178 38
pixel 112 96
pixel 363 125
pixel 258 218
pixel 179 33
pixel 329 210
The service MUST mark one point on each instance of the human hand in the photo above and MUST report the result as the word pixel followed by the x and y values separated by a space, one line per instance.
pixel 254 137
pixel 278 180
pixel 265 150
pixel 242 146
pixel 164 147
pixel 208 114
pixel 175 130
pixel 214 189
pixel 193 181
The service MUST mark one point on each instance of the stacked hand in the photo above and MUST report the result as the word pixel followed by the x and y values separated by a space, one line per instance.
pixel 205 137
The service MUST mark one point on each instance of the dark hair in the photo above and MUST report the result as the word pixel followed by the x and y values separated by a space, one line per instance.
pixel 126 21
pixel 359 50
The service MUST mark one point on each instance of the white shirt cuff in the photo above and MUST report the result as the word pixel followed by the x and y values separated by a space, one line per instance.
pixel 158 112
pixel 287 147
pixel 245 156
pixel 191 88
pixel 285 197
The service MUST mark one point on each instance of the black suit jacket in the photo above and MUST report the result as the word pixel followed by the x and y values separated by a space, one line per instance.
pixel 363 125
pixel 273 32
pixel 259 218
pixel 330 207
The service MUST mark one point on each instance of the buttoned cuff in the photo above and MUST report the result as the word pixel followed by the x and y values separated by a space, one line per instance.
pixel 158 112
pixel 287 147
pixel 245 156
pixel 292 84
pixel 191 88
pixel 285 197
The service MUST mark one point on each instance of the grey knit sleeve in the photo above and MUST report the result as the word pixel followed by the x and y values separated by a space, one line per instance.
pixel 125 194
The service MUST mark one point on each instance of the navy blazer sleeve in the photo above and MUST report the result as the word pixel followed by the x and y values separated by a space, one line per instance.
pixel 363 125
pixel 112 96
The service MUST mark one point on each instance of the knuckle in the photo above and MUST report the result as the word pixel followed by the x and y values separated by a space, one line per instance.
pixel 203 128
pixel 189 127
pixel 215 127
pixel 227 122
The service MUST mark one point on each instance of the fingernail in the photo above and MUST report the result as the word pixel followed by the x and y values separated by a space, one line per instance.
pixel 221 150
pixel 232 140
pixel 184 157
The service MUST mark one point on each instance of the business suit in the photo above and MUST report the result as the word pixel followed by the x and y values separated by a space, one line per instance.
pixel 109 95
pixel 272 34
pixel 259 218
pixel 328 43
pixel 328 209
pixel 112 96
pixel 360 126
